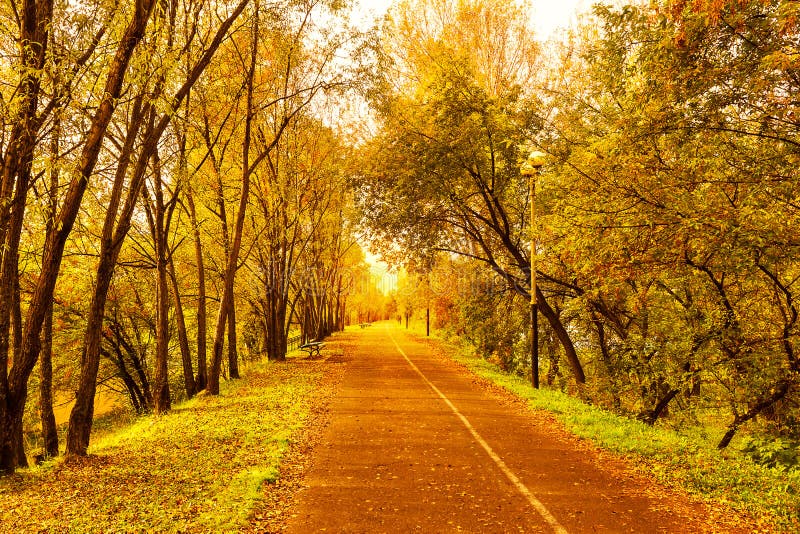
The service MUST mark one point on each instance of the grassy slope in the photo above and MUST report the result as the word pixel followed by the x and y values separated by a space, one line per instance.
pixel 691 462
pixel 197 469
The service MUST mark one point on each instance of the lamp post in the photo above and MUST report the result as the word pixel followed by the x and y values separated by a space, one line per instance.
pixel 530 169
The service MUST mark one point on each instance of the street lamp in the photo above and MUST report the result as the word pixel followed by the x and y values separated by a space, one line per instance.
pixel 530 169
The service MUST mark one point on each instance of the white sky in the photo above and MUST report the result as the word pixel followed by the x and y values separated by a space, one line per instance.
pixel 548 15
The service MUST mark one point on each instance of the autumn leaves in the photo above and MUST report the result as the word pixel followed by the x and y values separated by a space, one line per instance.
pixel 667 255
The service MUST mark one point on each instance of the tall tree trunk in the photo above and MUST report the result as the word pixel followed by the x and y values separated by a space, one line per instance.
pixel 161 396
pixel 82 413
pixel 10 297
pixel 233 353
pixel 51 263
pixel 202 376
pixel 34 20
pixel 226 302
pixel 183 337
pixel 46 414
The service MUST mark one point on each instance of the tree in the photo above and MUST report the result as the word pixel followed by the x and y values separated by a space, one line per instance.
pixel 277 91
pixel 447 153
pixel 14 391
pixel 674 146
pixel 295 198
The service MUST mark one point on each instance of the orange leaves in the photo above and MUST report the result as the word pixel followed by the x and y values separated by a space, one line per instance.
pixel 714 10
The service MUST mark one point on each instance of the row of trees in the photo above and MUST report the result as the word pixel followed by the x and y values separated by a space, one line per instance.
pixel 667 251
pixel 164 164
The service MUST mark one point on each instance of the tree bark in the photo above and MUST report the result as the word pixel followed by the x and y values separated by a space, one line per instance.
pixel 51 263
pixel 48 418
pixel 652 416
pixel 780 391
pixel 161 395
pixel 563 337
pixel 226 302
pixel 46 414
pixel 81 417
pixel 202 376
pixel 233 353
pixel 35 20
pixel 80 420
pixel 139 392
pixel 183 337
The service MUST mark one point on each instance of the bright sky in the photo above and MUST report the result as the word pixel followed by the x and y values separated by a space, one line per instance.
pixel 548 15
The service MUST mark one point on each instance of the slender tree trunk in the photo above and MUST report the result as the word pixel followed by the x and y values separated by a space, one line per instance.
pixel 46 414
pixel 161 396
pixel 233 353
pixel 122 347
pixel 48 418
pixel 652 416
pixel 144 381
pixel 201 293
pixel 779 392
pixel 226 302
pixel 138 401
pixel 183 338
pixel 563 337
pixel 9 280
pixel 11 311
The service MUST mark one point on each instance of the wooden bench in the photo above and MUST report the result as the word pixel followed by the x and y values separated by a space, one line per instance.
pixel 364 325
pixel 312 348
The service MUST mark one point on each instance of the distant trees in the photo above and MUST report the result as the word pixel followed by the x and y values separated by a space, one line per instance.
pixel 667 253
pixel 299 202
pixel 442 175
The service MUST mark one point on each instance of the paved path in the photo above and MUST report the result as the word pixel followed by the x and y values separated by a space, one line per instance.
pixel 416 445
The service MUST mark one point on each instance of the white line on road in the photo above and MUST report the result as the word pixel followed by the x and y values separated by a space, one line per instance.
pixel 536 503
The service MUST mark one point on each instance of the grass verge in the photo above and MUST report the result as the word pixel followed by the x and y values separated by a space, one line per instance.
pixel 199 468
pixel 771 496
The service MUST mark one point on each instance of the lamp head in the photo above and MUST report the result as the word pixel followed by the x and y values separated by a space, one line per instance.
pixel 534 162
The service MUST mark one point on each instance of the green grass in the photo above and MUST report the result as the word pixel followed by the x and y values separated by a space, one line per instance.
pixel 771 496
pixel 199 468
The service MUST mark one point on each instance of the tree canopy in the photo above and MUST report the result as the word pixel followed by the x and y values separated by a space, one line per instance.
pixel 183 191
pixel 665 242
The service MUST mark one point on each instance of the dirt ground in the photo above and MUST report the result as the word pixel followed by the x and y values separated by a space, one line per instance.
pixel 412 442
